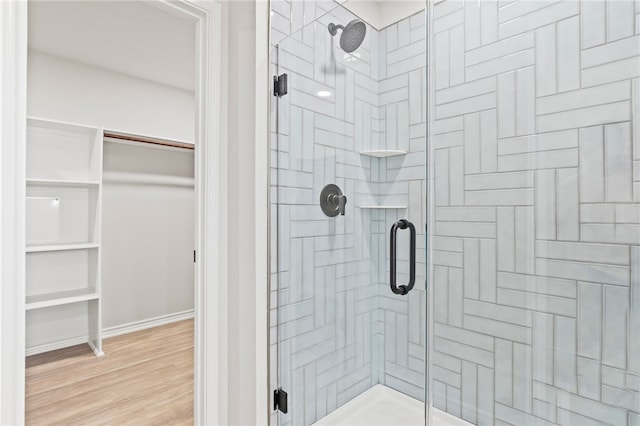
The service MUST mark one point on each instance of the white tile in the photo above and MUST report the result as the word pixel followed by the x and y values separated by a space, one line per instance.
pixel 593 23
pixel 538 142
pixel 499 180
pixel 565 355
pixel 499 49
pixel 466 214
pixel 506 239
pixel 618 166
pixel 538 160
pixel 611 52
pixel 501 197
pixel 489 19
pixel 593 409
pixel 392 38
pixel 606 274
pixel 448 21
pixel 499 65
pixel 546 60
pixel 584 117
pixel 610 72
pixel 542 348
pixel 539 18
pixel 598 95
pixel 471 268
pixel 568 54
pixel 456 55
pixel 597 213
pixel 466 106
pixel 441 60
pixel 516 9
pixel 442 177
pixel 415 97
pixel 472 143
pixel 524 235
pixel 635 88
pixel 592 164
pixel 522 381
pixel 620 19
pixel 472 24
pixel 506 105
pixel 583 252
pixel 406 52
pixel 525 101
pixel 465 230
pixel 564 289
pixel 568 207
pixel 545 204
pixel 614 331
pixel 462 91
pixel 455 296
pixel 590 320
pixel 488 270
pixel 488 141
pixel 447 140
pixel 447 125
pixel 456 176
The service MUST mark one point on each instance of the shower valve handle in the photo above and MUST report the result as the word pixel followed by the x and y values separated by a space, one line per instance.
pixel 332 201
pixel 340 200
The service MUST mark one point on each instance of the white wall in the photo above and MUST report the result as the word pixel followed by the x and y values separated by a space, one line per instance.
pixel 148 233
pixel 71 91
pixel 248 147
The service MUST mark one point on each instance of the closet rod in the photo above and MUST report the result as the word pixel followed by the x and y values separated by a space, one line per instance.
pixel 145 139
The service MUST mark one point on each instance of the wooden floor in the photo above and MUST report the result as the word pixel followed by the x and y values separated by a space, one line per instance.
pixel 145 378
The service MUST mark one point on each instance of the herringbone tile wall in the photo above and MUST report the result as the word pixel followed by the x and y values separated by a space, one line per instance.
pixel 536 259
pixel 339 328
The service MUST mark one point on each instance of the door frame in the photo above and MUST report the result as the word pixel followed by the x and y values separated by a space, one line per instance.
pixel 211 359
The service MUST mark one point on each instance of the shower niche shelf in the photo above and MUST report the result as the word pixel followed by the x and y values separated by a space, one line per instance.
pixel 383 153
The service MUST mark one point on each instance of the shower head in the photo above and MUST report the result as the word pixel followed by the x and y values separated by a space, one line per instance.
pixel 352 35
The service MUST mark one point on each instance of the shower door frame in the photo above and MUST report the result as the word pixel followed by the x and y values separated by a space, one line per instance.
pixel 262 332
pixel 211 400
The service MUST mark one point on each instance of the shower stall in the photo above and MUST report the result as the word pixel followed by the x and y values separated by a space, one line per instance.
pixel 455 212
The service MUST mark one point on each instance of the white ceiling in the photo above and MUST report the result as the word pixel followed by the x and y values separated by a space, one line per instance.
pixel 382 13
pixel 130 37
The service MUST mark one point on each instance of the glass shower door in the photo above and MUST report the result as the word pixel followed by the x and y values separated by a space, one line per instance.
pixel 351 127
pixel 535 237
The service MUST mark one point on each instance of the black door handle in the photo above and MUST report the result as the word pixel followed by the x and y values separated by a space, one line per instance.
pixel 403 289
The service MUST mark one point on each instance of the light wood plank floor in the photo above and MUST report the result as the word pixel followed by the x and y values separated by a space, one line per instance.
pixel 145 378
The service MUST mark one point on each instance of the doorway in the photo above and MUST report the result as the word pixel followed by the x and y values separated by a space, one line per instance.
pixel 210 175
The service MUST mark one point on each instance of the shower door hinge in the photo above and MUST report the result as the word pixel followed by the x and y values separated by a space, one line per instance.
pixel 280 86
pixel 280 400
pixel 194 256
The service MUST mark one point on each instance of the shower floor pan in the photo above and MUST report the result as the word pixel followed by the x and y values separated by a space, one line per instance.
pixel 383 406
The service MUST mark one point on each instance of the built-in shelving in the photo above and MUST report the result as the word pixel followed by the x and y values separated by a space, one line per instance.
pixel 62 183
pixel 63 223
pixel 61 247
pixel 383 153
pixel 382 207
pixel 46 300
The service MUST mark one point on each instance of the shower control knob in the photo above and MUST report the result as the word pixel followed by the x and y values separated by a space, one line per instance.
pixel 332 201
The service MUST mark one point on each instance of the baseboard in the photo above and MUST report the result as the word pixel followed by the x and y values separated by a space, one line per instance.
pixel 145 324
pixel 110 332
pixel 58 344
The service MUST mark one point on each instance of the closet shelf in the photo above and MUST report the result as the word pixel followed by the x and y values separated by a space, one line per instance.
pixel 62 182
pixel 382 153
pixel 61 247
pixel 38 301
pixel 382 207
